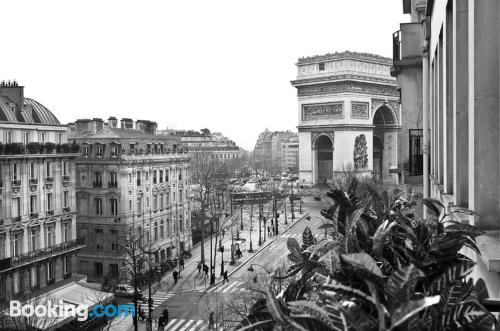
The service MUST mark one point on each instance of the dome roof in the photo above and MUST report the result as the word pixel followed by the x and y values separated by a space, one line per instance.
pixel 33 112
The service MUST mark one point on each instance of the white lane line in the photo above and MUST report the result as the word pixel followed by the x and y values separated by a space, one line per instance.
pixel 197 324
pixel 172 322
pixel 229 287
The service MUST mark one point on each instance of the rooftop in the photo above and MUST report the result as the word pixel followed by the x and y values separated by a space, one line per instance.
pixel 345 55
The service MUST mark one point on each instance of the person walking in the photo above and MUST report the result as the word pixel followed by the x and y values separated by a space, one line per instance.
pixel 199 268
pixel 205 270
pixel 175 274
pixel 181 264
pixel 212 279
pixel 225 280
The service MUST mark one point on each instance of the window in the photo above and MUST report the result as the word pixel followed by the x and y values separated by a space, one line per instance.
pixel 15 172
pixel 99 247
pixel 114 246
pixel 17 242
pixel 129 205
pixel 8 137
pixel 129 177
pixel 99 151
pixel 32 170
pixel 168 228
pixel 97 230
pixel 48 169
pixel 98 269
pixel 42 137
pixel 26 138
pixel 49 202
pixel 66 231
pixel 138 176
pixel 114 206
pixel 173 196
pixel 65 168
pixel 97 179
pixel 139 205
pixel 86 151
pixel 34 240
pixel 161 201
pixel 113 178
pixel 180 196
pixel 156 231
pixel 180 174
pixel 113 270
pixel 161 176
pixel 147 202
pixel 166 175
pixel 146 174
pixel 154 176
pixel 65 198
pixel 155 202
pixel 59 138
pixel 16 207
pixel 321 66
pixel 51 271
pixel 162 229
pixel 33 208
pixel 51 235
pixel 98 206
pixel 114 151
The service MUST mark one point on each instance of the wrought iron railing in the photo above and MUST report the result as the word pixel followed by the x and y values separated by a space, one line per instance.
pixel 65 178
pixel 16 182
pixel 97 184
pixel 38 254
pixel 112 184
pixel 33 181
pixel 49 179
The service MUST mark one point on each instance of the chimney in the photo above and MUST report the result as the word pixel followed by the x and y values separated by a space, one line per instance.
pixel 98 123
pixel 15 95
pixel 87 125
pixel 112 122
pixel 127 123
pixel 146 126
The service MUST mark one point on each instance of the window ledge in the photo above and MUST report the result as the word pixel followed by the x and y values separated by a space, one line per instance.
pixel 489 245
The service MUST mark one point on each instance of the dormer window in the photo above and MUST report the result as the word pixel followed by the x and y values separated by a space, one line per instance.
pixel 114 151
pixel 86 151
pixel 99 151
pixel 12 107
pixel 321 66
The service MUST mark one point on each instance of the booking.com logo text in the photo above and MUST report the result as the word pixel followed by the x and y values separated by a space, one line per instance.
pixel 62 310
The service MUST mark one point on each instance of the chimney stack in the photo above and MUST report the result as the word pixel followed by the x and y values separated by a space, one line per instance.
pixel 15 93
pixel 112 122
pixel 127 123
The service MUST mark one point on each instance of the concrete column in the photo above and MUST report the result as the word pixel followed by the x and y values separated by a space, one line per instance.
pixel 58 231
pixel 460 101
pixel 484 111
pixel 425 120
pixel 448 117
pixel 26 236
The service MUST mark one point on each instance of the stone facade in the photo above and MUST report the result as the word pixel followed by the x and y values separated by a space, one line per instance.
pixel 275 150
pixel 129 180
pixel 343 96
pixel 37 197
pixel 459 48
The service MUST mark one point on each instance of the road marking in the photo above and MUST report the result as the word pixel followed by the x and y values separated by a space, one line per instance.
pixel 174 327
pixel 231 285
pixel 184 328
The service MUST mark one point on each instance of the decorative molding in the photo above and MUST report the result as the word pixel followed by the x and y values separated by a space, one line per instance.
pixel 316 135
pixel 377 103
pixel 347 86
pixel 360 155
pixel 344 77
pixel 359 110
pixel 331 110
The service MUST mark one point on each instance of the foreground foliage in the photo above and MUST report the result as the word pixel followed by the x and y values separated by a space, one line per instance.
pixel 381 268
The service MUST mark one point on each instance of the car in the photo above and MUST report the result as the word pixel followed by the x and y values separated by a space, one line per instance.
pixel 125 290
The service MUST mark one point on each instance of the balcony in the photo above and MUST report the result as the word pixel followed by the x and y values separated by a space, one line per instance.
pixel 65 178
pixel 50 212
pixel 16 182
pixel 97 184
pixel 112 184
pixel 40 254
pixel 49 179
pixel 33 215
pixel 16 219
pixel 66 209
pixel 33 181
pixel 407 45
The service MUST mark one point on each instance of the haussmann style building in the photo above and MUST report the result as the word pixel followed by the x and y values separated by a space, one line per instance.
pixel 129 179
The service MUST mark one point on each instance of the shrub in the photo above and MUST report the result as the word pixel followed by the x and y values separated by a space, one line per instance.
pixel 49 147
pixel 34 148
pixel 14 148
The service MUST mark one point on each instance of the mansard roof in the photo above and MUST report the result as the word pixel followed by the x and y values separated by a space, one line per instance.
pixel 33 112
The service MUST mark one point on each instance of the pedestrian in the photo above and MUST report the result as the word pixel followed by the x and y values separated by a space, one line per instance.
pixel 268 230
pixel 212 279
pixel 181 263
pixel 161 323
pixel 164 314
pixel 175 274
pixel 199 268
pixel 211 320
pixel 225 277
pixel 205 270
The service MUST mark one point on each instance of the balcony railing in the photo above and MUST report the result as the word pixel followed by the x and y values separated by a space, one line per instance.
pixel 65 178
pixel 97 184
pixel 33 181
pixel 49 179
pixel 66 209
pixel 50 212
pixel 112 184
pixel 16 182
pixel 33 215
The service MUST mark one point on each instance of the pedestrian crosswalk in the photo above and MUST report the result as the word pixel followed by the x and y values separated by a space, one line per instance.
pixel 158 298
pixel 299 235
pixel 231 287
pixel 189 325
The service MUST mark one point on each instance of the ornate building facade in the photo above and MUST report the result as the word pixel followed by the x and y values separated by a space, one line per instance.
pixel 38 243
pixel 349 116
pixel 273 150
pixel 129 179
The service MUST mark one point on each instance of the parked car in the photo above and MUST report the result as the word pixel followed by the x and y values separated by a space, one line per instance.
pixel 125 290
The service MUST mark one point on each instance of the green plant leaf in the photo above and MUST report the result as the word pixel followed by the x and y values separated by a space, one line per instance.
pixel 363 261
pixel 401 284
pixel 293 246
pixel 410 308
pixel 274 307
pixel 466 229
pixel 450 275
pixel 433 204
pixel 325 226
pixel 379 237
pixel 317 312
pixel 308 238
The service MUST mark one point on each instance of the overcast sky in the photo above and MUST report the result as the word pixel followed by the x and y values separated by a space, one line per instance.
pixel 224 65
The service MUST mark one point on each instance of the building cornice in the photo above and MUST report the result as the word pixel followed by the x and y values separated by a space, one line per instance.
pixel 343 78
